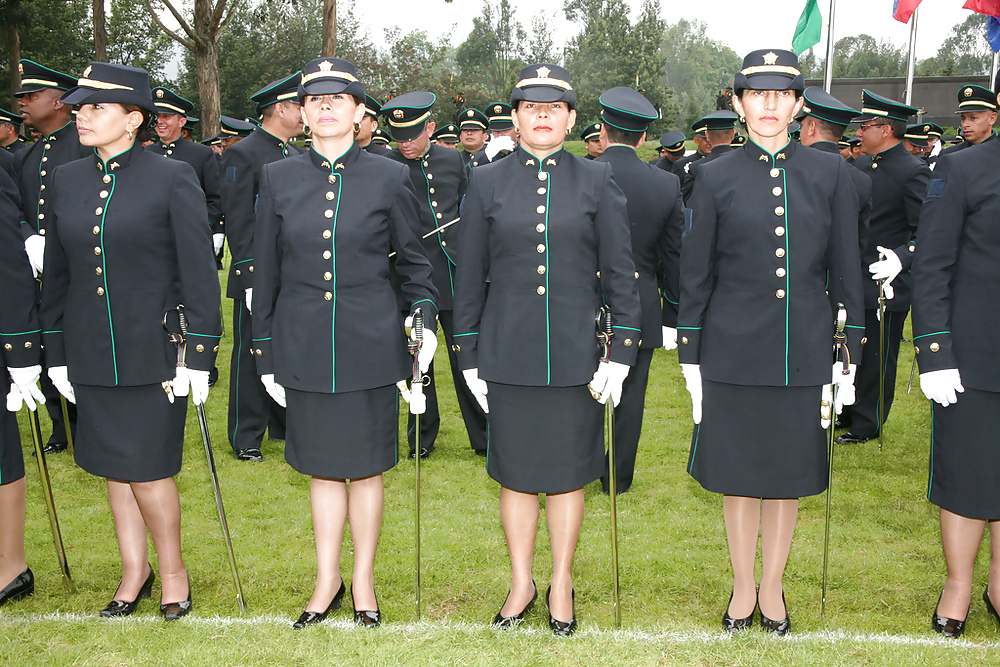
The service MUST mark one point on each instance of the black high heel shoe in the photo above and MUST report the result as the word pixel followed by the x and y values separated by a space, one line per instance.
pixel 780 628
pixel 314 617
pixel 561 628
pixel 125 608
pixel 949 627
pixel 22 586
pixel 503 622
pixel 174 610
pixel 734 625
pixel 368 619
pixel 990 609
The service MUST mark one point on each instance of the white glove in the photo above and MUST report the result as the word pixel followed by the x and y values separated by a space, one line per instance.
pixel 249 292
pixel 34 247
pixel 14 399
pixel 845 385
pixel 692 377
pixel 426 353
pixel 887 268
pixel 416 399
pixel 669 338
pixel 274 390
pixel 60 378
pixel 477 387
pixel 181 384
pixel 26 381
pixel 942 386
pixel 607 382
pixel 498 144
pixel 199 385
pixel 217 241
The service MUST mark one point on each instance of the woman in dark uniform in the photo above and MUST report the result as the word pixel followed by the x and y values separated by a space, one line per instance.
pixel 956 287
pixel 775 228
pixel 129 240
pixel 551 233
pixel 328 335
pixel 20 336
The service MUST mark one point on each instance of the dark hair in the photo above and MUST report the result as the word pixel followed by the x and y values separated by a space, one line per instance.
pixel 618 136
pixel 718 137
pixel 268 111
pixel 898 127
pixel 828 129
pixel 146 131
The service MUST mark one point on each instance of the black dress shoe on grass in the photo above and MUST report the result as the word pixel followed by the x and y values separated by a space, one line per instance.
pixel 735 625
pixel 174 610
pixel 314 617
pixel 365 618
pixel 852 439
pixel 949 627
pixel 780 628
pixel 425 452
pixel 502 622
pixel 55 447
pixel 250 454
pixel 22 586
pixel 561 628
pixel 126 608
pixel 990 609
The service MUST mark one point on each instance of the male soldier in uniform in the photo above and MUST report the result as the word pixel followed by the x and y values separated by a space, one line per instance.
pixel 591 136
pixel 367 127
pixel 503 138
pixel 824 119
pixel 702 148
pixel 381 138
pixel 671 150
pixel 172 110
pixel 447 136
pixel 656 217
pixel 978 109
pixel 251 410
pixel 233 130
pixel 916 141
pixel 10 131
pixel 439 176
pixel 718 139
pixel 472 124
pixel 38 101
pixel 899 184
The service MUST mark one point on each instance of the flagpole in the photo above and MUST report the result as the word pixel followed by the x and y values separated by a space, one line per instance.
pixel 912 61
pixel 994 68
pixel 828 77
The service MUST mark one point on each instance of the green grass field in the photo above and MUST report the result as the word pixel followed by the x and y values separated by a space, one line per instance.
pixel 886 567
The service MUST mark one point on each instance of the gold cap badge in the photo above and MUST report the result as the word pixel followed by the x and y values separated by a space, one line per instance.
pixel 20 68
pixel 497 109
pixel 770 58
pixel 86 72
pixel 325 66
pixel 967 92
pixel 159 93
pixel 397 114
pixel 543 72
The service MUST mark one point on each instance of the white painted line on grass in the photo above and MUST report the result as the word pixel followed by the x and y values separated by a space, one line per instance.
pixel 667 636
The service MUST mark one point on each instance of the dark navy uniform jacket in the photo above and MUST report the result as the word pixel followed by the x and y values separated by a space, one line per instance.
pixel 680 168
pixel 8 163
pixel 899 183
pixel 325 317
pixel 377 149
pixel 772 250
pixel 37 166
pixel 205 163
pixel 16 146
pixel 656 220
pixel 20 333
pixel 863 186
pixel 128 240
pixel 439 179
pixel 687 176
pixel 241 166
pixel 956 268
pixel 966 144
pixel 552 237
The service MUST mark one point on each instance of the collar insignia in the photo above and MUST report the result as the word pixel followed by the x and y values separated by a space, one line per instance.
pixel 762 158
pixel 340 165
pixel 114 165
pixel 324 163
pixel 397 114
pixel 770 58
pixel 550 161
pixel 779 156
pixel 529 162
pixel 325 66
pixel 543 72
pixel 86 72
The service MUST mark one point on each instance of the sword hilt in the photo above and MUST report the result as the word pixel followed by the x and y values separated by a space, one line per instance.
pixel 605 331
pixel 418 342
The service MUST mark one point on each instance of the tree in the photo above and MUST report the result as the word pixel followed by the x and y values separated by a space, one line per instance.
pixel 492 54
pixel 329 28
pixel 861 57
pixel 100 31
pixel 203 28
pixel 541 46
pixel 697 68
pixel 964 52
pixel 133 40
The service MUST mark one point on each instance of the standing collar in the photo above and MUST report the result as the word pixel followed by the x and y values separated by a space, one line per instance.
pixel 338 164
pixel 757 153
pixel 120 161
pixel 528 160
pixel 826 147
pixel 61 132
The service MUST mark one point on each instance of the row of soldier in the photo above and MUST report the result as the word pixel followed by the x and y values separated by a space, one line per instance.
pixel 889 183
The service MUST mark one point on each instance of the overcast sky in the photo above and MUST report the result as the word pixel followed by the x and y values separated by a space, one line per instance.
pixel 745 25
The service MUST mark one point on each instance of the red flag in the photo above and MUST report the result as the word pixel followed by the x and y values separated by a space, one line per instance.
pixel 989 7
pixel 902 10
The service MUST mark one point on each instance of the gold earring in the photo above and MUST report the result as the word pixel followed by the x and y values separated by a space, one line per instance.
pixel 357 127
pixel 129 134
pixel 568 129
pixel 743 119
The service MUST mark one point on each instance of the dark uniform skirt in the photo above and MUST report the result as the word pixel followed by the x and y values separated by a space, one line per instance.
pixel 342 436
pixel 761 442
pixel 965 456
pixel 131 434
pixel 11 456
pixel 544 439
